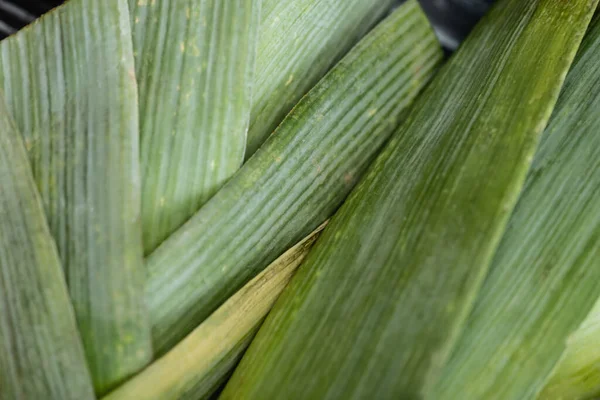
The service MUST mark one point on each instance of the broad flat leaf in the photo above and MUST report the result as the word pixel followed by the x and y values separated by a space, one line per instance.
pixel 295 181
pixel 194 63
pixel 70 84
pixel 379 302
pixel 299 41
pixel 41 355
pixel 545 276
pixel 199 364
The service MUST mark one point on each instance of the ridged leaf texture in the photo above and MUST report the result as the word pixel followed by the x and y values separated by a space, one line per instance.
pixel 203 360
pixel 41 354
pixel 299 41
pixel 577 375
pixel 296 180
pixel 380 299
pixel 194 63
pixel 545 276
pixel 70 84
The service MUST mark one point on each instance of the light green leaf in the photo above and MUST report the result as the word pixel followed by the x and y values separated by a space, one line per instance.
pixel 378 304
pixel 295 181
pixel 199 363
pixel 545 276
pixel 70 85
pixel 299 41
pixel 41 355
pixel 577 375
pixel 194 63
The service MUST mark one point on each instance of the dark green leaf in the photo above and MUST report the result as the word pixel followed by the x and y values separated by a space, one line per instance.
pixel 379 302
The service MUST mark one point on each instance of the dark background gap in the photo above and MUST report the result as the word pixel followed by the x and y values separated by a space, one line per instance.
pixel 452 19
pixel 15 14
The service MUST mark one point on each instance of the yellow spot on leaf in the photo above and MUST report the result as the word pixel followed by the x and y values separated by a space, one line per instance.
pixel 290 80
pixel 372 112
pixel 182 47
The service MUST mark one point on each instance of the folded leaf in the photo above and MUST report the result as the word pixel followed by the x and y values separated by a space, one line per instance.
pixel 380 299
pixel 545 275
pixel 299 41
pixel 577 375
pixel 194 64
pixel 199 363
pixel 70 84
pixel 41 355
pixel 295 181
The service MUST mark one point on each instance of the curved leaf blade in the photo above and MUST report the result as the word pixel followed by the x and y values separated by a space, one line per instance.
pixel 380 300
pixel 195 64
pixel 70 85
pixel 294 182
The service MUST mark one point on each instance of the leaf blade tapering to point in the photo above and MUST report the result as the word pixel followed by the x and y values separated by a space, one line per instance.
pixel 296 180
pixel 70 84
pixel 299 41
pixel 381 297
pixel 198 364
pixel 41 354
pixel 195 64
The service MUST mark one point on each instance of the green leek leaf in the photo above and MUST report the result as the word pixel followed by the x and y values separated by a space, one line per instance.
pixel 577 375
pixel 381 298
pixel 41 355
pixel 199 363
pixel 194 63
pixel 70 85
pixel 295 181
pixel 299 41
pixel 545 276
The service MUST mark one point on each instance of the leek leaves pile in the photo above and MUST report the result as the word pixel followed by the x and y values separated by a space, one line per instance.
pixel 167 166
